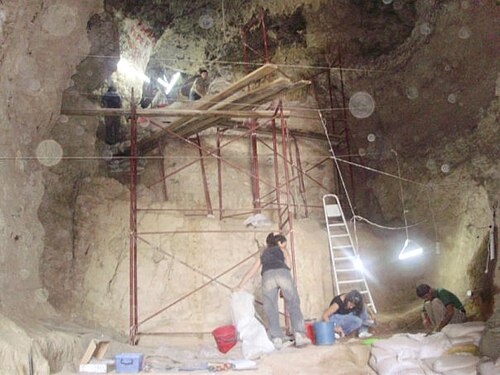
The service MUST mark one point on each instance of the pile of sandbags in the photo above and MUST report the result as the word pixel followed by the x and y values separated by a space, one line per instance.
pixel 453 351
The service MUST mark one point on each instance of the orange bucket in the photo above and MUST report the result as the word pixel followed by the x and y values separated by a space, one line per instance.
pixel 225 338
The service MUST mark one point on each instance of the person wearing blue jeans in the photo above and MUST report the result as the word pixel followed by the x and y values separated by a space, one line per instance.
pixel 349 314
pixel 276 277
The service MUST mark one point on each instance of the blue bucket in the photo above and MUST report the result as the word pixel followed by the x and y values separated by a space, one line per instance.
pixel 324 333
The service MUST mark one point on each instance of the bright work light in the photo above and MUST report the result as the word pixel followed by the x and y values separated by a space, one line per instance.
pixel 410 249
pixel 126 67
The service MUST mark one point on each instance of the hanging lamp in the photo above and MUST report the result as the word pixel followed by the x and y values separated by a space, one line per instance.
pixel 410 248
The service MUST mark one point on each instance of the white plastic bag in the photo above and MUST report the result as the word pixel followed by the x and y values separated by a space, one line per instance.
pixel 258 221
pixel 252 334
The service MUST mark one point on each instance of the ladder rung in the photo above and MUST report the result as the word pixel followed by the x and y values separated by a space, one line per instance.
pixel 345 258
pixel 339 235
pixel 351 281
pixel 347 270
pixel 341 246
pixel 337 225
pixel 364 292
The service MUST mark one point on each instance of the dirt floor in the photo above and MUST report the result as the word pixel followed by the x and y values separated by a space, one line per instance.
pixel 167 354
pixel 346 356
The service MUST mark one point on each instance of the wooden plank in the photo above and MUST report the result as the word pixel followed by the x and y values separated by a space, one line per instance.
pixel 167 112
pixel 238 127
pixel 210 102
pixel 241 101
pixel 148 144
pixel 256 75
pixel 252 100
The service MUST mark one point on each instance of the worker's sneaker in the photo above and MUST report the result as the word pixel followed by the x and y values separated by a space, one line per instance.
pixel 301 340
pixel 278 343
pixel 364 335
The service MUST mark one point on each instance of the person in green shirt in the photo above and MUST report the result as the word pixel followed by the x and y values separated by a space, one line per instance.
pixel 441 307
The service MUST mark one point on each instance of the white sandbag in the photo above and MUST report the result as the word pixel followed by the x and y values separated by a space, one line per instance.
pixel 379 354
pixel 450 362
pixel 412 371
pixel 373 364
pixel 401 345
pixel 471 338
pixel 416 336
pixel 427 365
pixel 471 370
pixel 434 345
pixel 392 366
pixel 463 329
pixel 252 334
pixel 489 368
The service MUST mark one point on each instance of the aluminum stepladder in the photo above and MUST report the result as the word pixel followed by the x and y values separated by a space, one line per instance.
pixel 347 269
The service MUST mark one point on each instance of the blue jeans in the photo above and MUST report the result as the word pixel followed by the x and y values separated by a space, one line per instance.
pixel 350 322
pixel 272 282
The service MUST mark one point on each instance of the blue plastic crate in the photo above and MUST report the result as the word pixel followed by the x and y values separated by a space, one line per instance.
pixel 128 362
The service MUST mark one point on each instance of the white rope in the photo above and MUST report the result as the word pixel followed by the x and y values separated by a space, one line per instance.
pixel 323 123
pixel 360 218
pixel 402 193
pixel 434 223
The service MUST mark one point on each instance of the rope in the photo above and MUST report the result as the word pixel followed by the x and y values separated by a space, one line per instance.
pixel 323 123
pixel 402 193
pixel 360 218
pixel 227 62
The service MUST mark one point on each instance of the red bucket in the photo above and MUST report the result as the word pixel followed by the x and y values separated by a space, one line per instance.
pixel 225 337
pixel 310 330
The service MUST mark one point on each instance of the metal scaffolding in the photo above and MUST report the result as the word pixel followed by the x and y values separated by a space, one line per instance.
pixel 278 199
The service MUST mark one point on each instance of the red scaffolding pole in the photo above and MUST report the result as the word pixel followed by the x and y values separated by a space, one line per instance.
pixel 133 224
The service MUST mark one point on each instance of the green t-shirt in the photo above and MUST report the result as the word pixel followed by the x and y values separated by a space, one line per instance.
pixel 448 297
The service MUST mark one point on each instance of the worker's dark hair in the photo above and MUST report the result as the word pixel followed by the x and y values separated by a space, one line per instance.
pixel 356 298
pixel 203 70
pixel 272 239
pixel 422 290
pixel 112 88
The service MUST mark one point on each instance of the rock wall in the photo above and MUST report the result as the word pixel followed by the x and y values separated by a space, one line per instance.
pixel 437 109
pixel 178 254
pixel 41 45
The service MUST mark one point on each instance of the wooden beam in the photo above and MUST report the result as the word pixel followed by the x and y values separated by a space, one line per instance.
pixel 170 112
pixel 211 102
pixel 259 96
pixel 242 102
pixel 237 126
pixel 252 99
pixel 265 70
pixel 195 124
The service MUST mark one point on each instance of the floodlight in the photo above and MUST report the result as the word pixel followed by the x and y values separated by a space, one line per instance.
pixel 410 249
pixel 126 67
pixel 169 85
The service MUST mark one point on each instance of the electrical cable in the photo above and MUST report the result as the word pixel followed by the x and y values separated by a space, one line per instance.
pixel 227 62
pixel 401 192
pixel 323 123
